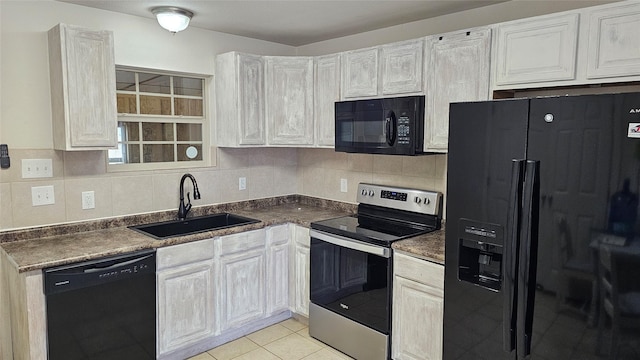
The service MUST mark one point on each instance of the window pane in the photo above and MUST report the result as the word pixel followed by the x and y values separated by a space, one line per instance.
pixel 154 83
pixel 128 131
pixel 188 107
pixel 125 80
pixel 127 104
pixel 157 132
pixel 190 155
pixel 189 132
pixel 187 86
pixel 155 105
pixel 132 155
pixel 158 153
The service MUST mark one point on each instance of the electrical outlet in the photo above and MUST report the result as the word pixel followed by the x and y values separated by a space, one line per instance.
pixel 242 183
pixel 88 200
pixel 42 195
pixel 343 185
pixel 37 168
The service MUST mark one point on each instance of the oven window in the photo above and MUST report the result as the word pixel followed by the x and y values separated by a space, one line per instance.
pixel 352 283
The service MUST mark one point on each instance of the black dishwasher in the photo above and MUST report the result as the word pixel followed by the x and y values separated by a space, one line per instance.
pixel 102 309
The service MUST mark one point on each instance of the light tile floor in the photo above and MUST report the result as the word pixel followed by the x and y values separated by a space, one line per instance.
pixel 288 340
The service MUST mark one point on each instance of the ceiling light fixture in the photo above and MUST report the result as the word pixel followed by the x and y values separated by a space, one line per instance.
pixel 172 18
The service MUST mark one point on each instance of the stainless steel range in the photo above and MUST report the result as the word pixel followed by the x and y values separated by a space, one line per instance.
pixel 351 267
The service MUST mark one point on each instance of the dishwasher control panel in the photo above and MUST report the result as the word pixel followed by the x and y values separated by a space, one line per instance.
pixel 95 272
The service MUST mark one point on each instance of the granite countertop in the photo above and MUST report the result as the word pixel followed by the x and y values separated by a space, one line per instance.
pixel 48 246
pixel 428 246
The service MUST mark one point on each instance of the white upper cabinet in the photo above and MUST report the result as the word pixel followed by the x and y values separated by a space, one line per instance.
pixel 614 41
pixel 327 92
pixel 240 102
pixel 457 69
pixel 401 67
pixel 289 92
pixel 540 49
pixel 360 73
pixel 390 69
pixel 83 88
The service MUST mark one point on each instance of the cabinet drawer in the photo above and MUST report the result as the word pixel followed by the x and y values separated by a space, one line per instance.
pixel 422 271
pixel 277 235
pixel 184 253
pixel 241 242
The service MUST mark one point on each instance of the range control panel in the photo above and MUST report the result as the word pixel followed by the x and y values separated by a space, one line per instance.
pixel 393 195
pixel 416 200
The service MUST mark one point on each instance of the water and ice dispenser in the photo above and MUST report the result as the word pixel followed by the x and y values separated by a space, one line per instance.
pixel 480 253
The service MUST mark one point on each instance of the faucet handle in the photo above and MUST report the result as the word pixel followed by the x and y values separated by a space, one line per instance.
pixel 187 207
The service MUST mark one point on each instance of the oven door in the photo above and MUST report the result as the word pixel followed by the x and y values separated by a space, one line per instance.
pixel 352 279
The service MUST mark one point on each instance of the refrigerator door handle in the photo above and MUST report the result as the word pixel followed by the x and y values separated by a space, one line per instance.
pixel 528 256
pixel 509 285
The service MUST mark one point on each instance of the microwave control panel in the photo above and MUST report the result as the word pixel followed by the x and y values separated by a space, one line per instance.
pixel 404 130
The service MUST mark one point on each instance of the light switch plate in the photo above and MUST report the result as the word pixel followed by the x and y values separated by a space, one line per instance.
pixel 37 168
pixel 42 195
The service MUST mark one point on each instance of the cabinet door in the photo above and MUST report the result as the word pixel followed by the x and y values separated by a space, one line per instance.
pixel 277 269
pixel 289 107
pixel 402 67
pixel 185 305
pixel 301 261
pixel 614 42
pixel 299 274
pixel 418 304
pixel 417 320
pixel 83 87
pixel 327 92
pixel 543 48
pixel 457 69
pixel 242 290
pixel 251 100
pixel 360 73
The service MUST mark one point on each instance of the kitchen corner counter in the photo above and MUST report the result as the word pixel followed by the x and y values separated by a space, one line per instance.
pixel 43 247
pixel 428 246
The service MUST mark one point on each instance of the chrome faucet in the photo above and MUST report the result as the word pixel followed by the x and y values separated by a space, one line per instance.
pixel 184 209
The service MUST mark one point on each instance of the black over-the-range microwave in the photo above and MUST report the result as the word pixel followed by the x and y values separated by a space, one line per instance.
pixel 392 126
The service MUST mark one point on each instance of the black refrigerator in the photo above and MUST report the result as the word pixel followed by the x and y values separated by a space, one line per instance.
pixel 534 185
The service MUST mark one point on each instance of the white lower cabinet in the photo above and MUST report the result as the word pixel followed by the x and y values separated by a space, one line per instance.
pixel 242 263
pixel 278 268
pixel 418 308
pixel 299 271
pixel 185 275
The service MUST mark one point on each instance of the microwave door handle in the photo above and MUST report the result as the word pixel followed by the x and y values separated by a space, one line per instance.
pixel 392 125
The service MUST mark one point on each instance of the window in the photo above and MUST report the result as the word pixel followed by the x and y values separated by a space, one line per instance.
pixel 161 120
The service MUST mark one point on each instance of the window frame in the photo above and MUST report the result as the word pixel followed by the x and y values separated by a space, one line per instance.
pixel 204 121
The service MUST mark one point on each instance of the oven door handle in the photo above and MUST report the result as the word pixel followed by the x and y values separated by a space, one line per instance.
pixel 351 243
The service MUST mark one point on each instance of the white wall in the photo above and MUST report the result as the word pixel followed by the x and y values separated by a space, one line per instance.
pixel 493 14
pixel 25 117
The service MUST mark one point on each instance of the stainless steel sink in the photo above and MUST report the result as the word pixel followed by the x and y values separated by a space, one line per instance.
pixel 166 229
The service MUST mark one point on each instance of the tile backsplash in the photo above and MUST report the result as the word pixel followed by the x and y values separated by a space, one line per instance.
pixel 268 171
